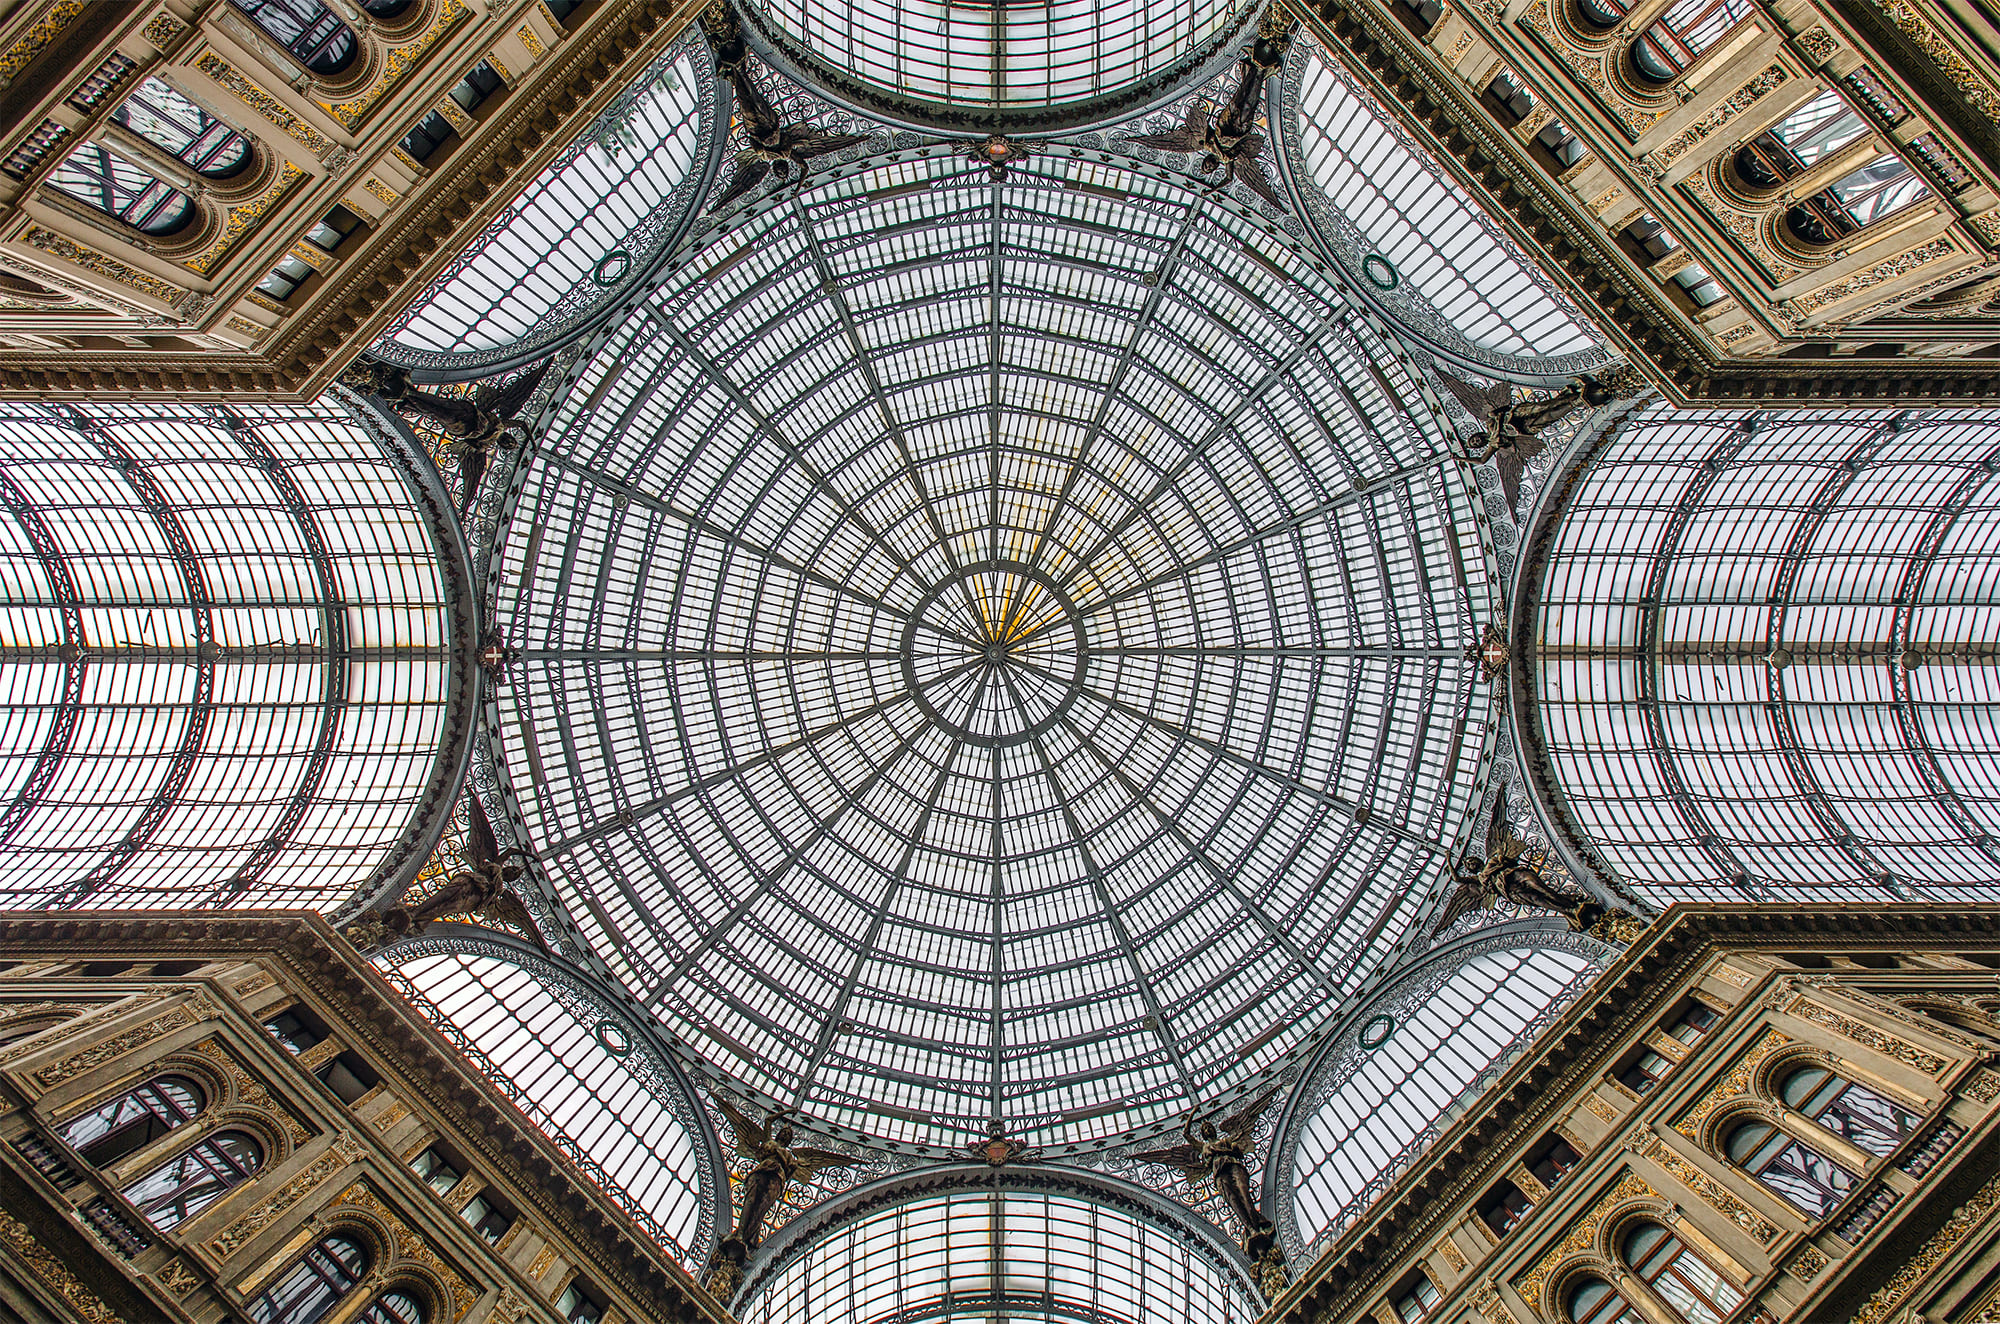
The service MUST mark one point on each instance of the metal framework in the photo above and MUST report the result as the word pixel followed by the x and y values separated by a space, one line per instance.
pixel 1762 662
pixel 971 1242
pixel 992 650
pixel 185 587
pixel 593 1076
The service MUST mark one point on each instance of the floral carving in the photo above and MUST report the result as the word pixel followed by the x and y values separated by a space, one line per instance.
pixel 116 1046
pixel 1942 53
pixel 543 1260
pixel 399 62
pixel 1719 1199
pixel 1730 974
pixel 1588 67
pixel 1459 46
pixel 409 1245
pixel 1732 106
pixel 1900 265
pixel 1817 44
pixel 49 1267
pixel 1908 1054
pixel 1987 226
pixel 177 1278
pixel 249 1090
pixel 256 983
pixel 241 218
pixel 1808 1264
pixel 532 42
pixel 243 326
pixel 1448 1249
pixel 1582 1234
pixel 383 193
pixel 1941 1243
pixel 1731 1085
pixel 272 109
pixel 1983 1085
pixel 1600 1108
pixel 163 30
pixel 1741 226
pixel 1735 335
pixel 248 1226
pixel 56 245
pixel 46 29
pixel 1604 200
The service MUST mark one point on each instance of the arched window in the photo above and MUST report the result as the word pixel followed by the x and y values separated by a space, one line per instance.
pixel 1800 141
pixel 133 1120
pixel 185 1185
pixel 1593 1301
pixel 315 1284
pixel 1690 1286
pixel 1853 1112
pixel 107 181
pixel 1807 1179
pixel 394 1306
pixel 1884 186
pixel 161 115
pixel 1686 30
pixel 306 28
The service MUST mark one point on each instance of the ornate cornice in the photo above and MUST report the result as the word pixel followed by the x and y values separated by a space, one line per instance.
pixel 1573 245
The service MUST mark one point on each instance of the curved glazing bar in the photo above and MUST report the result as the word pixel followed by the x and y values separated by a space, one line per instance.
pixel 1400 1068
pixel 593 227
pixel 992 650
pixel 561 1052
pixel 1766 665
pixel 1020 1243
pixel 1411 240
pixel 230 679
pixel 1026 66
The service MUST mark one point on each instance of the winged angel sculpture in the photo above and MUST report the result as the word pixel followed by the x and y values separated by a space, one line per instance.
pixel 1510 430
pixel 474 424
pixel 778 1165
pixel 1231 142
pixel 1510 873
pixel 772 147
pixel 479 890
pixel 1220 1155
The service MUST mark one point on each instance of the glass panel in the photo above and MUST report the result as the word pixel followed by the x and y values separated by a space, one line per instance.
pixel 314 1286
pixel 160 113
pixel 184 1186
pixel 307 29
pixel 98 176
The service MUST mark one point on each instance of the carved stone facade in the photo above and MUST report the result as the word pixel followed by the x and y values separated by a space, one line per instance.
pixel 93 1012
pixel 92 303
pixel 1844 1047
pixel 1864 312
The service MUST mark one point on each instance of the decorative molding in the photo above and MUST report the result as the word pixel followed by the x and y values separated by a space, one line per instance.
pixel 1487 1301
pixel 1942 53
pixel 382 192
pixel 532 42
pixel 263 979
pixel 1451 1254
pixel 399 62
pixel 1887 1044
pixel 543 1259
pixel 1730 1086
pixel 1582 1234
pixel 1589 67
pixel 243 1229
pixel 1603 201
pixel 1717 1198
pixel 51 1269
pixel 177 1278
pixel 1808 1264
pixel 391 1115
pixel 1743 227
pixel 409 1245
pixel 243 326
pixel 1733 105
pixel 1817 44
pixel 164 31
pixel 1730 974
pixel 62 246
pixel 1900 265
pixel 1459 46
pixel 250 1091
pixel 241 218
pixel 277 112
pixel 1983 1085
pixel 1941 1244
pixel 116 1046
pixel 1736 334
pixel 46 29
pixel 1987 226
pixel 1600 1108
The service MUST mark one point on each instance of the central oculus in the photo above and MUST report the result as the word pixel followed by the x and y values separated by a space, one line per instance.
pixel 995 655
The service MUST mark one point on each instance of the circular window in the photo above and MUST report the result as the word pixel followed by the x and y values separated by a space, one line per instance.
pixel 1377 1031
pixel 613 1038
pixel 1380 271
pixel 612 267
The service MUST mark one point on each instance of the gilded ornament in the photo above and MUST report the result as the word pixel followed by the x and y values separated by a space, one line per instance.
pixel 1730 1086
pixel 409 1245
pixel 1489 1304
pixel 1604 200
pixel 543 1260
pixel 391 1115
pixel 1817 44
pixel 163 30
pixel 46 29
pixel 61 246
pixel 1908 1054
pixel 383 193
pixel 1719 1199
pixel 1808 1264
pixel 1600 1108
pixel 1732 106
pixel 241 218
pixel 116 1046
pixel 459 119
pixel 1941 1244
pixel 269 305
pixel 398 62
pixel 249 1090
pixel 243 326
pixel 259 1217
pixel 272 109
pixel 1730 974
pixel 1582 1234
pixel 532 42
pixel 1899 265
pixel 52 1270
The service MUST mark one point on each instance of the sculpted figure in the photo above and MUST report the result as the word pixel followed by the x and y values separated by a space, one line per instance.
pixel 1220 1154
pixel 1231 142
pixel 778 1165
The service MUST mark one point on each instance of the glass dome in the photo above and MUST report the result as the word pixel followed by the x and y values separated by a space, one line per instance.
pixel 229 678
pixel 993 652
pixel 1002 65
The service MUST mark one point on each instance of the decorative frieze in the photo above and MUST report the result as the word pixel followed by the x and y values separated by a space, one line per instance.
pixel 1983 1085
pixel 1588 66
pixel 116 1046
pixel 1849 1028
pixel 409 1245
pixel 543 1259
pixel 1735 335
pixel 1731 106
pixel 1714 1194
pixel 1599 1108
pixel 398 62
pixel 381 192
pixel 250 1090
pixel 62 246
pixel 1942 1242
pixel 51 1269
pixel 277 112
pixel 1808 1264
pixel 241 218
pixel 1448 1250
pixel 265 1211
pixel 1736 1083
pixel 1602 202
pixel 1987 226
pixel 1900 265
pixel 1942 53
pixel 532 42
pixel 31 43
pixel 256 983
pixel 1817 44
pixel 1582 1234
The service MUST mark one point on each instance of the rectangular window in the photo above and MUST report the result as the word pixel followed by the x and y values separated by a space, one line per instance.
pixel 435 1170
pixel 487 1217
